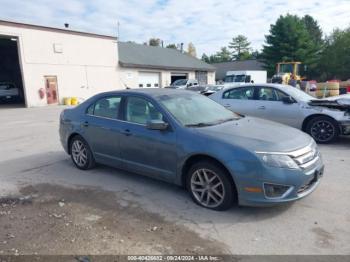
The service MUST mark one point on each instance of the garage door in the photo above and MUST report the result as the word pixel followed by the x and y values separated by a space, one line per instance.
pixel 148 80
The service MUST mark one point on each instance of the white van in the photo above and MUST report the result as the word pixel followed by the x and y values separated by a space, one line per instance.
pixel 237 77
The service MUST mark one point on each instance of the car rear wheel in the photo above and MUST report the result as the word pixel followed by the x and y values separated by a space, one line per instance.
pixel 81 154
pixel 323 129
pixel 210 186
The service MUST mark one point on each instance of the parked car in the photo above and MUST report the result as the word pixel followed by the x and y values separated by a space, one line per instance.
pixel 290 106
pixel 211 89
pixel 197 88
pixel 184 83
pixel 188 139
pixel 8 91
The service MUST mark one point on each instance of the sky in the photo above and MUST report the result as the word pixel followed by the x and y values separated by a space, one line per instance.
pixel 208 24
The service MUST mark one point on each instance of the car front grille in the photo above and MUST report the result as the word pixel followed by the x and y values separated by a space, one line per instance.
pixel 307 158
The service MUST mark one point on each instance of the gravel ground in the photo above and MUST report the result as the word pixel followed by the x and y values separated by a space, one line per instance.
pixel 47 206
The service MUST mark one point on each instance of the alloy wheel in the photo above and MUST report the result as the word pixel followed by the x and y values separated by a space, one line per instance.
pixel 207 187
pixel 323 131
pixel 79 153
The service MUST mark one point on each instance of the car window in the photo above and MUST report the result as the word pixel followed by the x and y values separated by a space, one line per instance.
pixel 280 95
pixel 106 107
pixel 140 111
pixel 270 94
pixel 267 94
pixel 245 93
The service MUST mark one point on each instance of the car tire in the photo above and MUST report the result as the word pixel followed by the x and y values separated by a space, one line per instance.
pixel 81 153
pixel 323 129
pixel 218 191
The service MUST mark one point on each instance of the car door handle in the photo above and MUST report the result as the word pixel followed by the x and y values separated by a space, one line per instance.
pixel 126 132
pixel 227 105
pixel 86 124
pixel 261 107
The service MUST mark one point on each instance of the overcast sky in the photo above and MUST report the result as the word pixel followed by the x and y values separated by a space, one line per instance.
pixel 209 24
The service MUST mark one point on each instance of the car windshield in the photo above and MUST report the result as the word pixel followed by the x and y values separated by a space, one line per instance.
pixel 235 78
pixel 214 88
pixel 297 94
pixel 286 68
pixel 195 110
pixel 179 82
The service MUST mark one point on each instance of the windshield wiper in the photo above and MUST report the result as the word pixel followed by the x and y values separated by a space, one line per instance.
pixel 199 125
pixel 227 120
pixel 213 123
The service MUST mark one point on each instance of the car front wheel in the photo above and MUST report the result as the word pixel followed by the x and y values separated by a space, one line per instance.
pixel 323 129
pixel 81 154
pixel 210 186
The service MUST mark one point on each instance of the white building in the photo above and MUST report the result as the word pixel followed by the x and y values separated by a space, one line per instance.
pixel 148 66
pixel 60 62
pixel 48 64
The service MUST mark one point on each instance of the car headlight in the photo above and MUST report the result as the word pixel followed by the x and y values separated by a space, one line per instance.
pixel 274 160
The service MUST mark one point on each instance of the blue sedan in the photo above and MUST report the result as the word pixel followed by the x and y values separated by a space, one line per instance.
pixel 188 139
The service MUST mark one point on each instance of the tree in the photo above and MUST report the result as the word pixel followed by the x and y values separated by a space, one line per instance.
pixel 335 58
pixel 173 46
pixel 316 35
pixel 154 42
pixel 288 41
pixel 205 58
pixel 191 50
pixel 313 29
pixel 224 55
pixel 240 47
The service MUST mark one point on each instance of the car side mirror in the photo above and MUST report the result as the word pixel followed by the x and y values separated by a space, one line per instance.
pixel 157 125
pixel 288 100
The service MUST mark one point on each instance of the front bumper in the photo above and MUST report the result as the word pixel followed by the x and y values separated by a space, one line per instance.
pixel 300 182
pixel 345 127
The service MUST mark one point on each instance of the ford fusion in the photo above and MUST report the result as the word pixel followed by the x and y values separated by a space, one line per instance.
pixel 187 139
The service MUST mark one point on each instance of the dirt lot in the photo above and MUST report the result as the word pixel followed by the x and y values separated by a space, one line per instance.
pixel 47 206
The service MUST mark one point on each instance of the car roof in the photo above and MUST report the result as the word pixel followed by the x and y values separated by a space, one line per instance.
pixel 151 92
pixel 278 86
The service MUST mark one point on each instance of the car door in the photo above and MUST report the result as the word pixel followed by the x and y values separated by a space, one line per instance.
pixel 240 100
pixel 101 129
pixel 271 106
pixel 146 151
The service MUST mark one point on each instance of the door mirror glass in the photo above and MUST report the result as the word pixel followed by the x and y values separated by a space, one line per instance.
pixel 157 125
pixel 288 100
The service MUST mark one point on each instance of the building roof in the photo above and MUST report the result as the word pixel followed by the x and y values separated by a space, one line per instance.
pixel 144 56
pixel 222 68
pixel 54 29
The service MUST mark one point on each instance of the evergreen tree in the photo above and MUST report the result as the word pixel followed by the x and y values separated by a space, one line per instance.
pixel 224 55
pixel 335 58
pixel 240 47
pixel 173 46
pixel 205 58
pixel 288 41
pixel 313 29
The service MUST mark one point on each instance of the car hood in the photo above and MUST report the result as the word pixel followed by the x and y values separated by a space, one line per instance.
pixel 255 134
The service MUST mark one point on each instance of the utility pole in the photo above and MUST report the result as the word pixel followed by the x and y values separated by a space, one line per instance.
pixel 118 25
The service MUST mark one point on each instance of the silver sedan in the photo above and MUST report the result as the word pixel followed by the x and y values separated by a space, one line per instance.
pixel 323 119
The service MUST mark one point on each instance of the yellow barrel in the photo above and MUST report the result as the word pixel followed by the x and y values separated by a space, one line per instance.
pixel 67 101
pixel 74 101
pixel 327 89
pixel 321 93
pixel 334 92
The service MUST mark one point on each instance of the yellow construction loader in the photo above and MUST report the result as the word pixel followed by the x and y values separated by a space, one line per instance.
pixel 289 73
